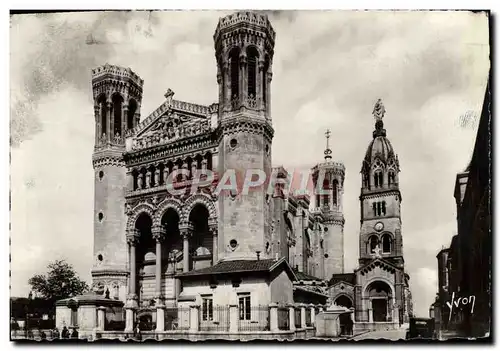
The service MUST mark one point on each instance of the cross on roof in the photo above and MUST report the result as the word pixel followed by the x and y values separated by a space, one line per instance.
pixel 327 133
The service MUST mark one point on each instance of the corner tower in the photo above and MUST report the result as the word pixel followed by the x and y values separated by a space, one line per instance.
pixel 244 48
pixel 380 198
pixel 328 180
pixel 117 94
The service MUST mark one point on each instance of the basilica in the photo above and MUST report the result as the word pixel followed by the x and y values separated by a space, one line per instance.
pixel 156 249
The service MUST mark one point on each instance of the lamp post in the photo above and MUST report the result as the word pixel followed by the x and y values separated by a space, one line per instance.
pixel 27 313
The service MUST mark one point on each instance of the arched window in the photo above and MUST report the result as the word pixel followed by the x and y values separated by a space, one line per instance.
pixel 132 107
pixel 379 179
pixel 379 208
pixel 392 177
pixel 373 243
pixel 335 186
pixel 366 180
pixel 374 205
pixel 103 112
pixel 252 57
pixel 383 208
pixel 317 201
pixel 386 243
pixel 234 58
pixel 117 102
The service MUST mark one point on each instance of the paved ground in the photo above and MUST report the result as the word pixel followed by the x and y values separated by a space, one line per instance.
pixel 385 334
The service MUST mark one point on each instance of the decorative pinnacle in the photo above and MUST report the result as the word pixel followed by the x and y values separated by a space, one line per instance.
pixel 328 152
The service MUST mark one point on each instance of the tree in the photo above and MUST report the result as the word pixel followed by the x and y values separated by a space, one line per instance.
pixel 61 282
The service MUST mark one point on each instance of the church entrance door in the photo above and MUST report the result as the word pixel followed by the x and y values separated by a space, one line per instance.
pixel 379 310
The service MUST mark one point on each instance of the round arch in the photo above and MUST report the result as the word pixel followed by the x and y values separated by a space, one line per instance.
pixel 136 212
pixel 369 283
pixel 195 199
pixel 343 300
pixel 252 47
pixel 163 207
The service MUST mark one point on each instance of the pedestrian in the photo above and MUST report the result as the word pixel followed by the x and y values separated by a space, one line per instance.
pixel 74 335
pixel 138 332
pixel 56 334
pixel 65 333
pixel 43 336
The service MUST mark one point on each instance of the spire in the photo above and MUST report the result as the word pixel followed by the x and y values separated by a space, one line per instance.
pixel 328 152
pixel 378 113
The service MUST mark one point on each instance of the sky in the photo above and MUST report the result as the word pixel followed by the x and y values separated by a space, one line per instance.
pixel 329 69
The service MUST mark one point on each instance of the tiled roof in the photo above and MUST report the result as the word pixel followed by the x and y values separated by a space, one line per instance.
pixel 346 277
pixel 304 276
pixel 237 266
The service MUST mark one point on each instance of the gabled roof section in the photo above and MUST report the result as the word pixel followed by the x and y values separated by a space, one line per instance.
pixel 191 109
pixel 305 277
pixel 348 278
pixel 241 266
pixel 378 262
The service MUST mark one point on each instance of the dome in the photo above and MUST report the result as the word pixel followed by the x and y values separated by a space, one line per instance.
pixel 379 148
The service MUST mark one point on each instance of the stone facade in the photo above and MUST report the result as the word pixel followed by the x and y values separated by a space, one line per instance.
pixel 157 213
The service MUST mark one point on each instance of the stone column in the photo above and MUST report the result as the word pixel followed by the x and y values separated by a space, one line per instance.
pixel 395 314
pixel 259 79
pixel 221 85
pixel 291 316
pixel 159 235
pixel 302 315
pixel 97 124
pixel 370 315
pixel 273 317
pixel 131 304
pixel 312 308
pixel 233 318
pixel 124 118
pixel 194 318
pixel 101 318
pixel 213 228
pixel 227 86
pixel 243 80
pixel 269 77
pixel 110 124
pixel 186 230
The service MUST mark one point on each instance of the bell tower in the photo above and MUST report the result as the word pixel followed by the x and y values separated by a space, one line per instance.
pixel 244 48
pixel 328 179
pixel 117 94
pixel 380 198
